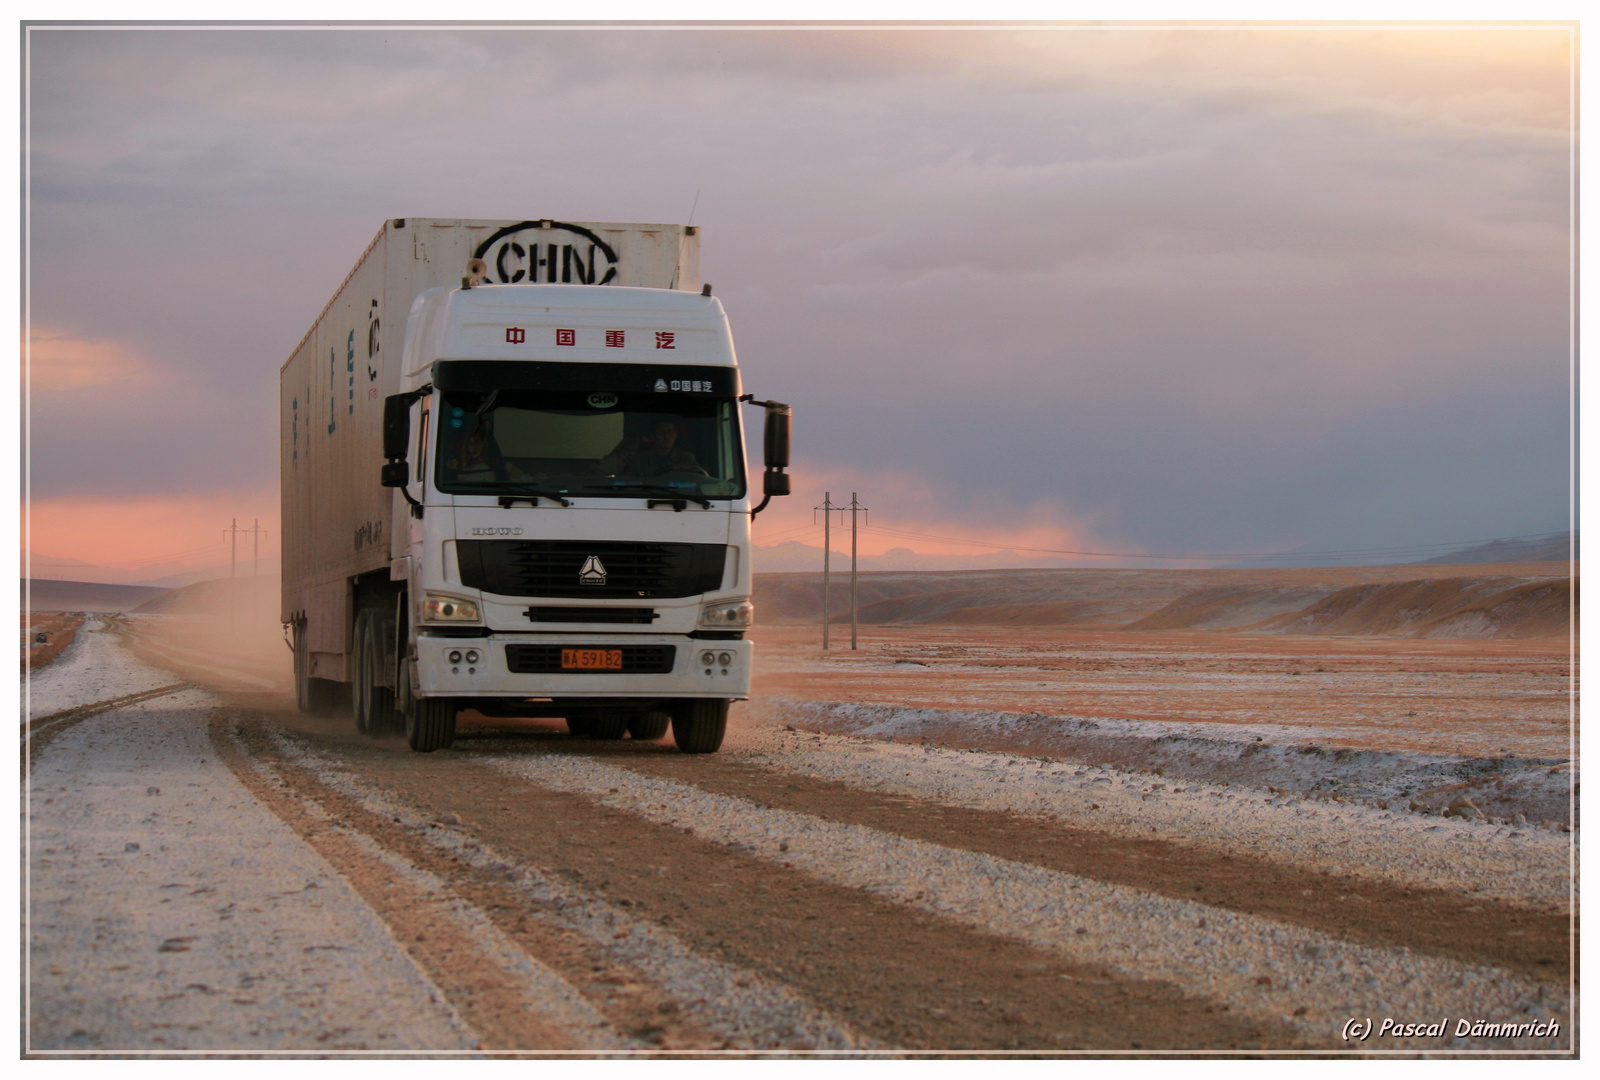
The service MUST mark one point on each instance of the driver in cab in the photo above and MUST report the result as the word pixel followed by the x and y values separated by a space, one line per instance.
pixel 655 453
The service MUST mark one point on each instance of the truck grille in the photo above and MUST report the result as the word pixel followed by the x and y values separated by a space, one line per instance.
pixel 590 568
pixel 634 616
pixel 546 660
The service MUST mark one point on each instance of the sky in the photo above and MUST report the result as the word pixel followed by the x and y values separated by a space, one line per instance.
pixel 1213 290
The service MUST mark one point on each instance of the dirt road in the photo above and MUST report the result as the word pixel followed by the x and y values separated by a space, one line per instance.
pixel 801 892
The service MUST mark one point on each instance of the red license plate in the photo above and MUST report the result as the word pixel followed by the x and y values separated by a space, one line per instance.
pixel 591 659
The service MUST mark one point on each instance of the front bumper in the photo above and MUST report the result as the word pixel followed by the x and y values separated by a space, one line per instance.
pixel 437 676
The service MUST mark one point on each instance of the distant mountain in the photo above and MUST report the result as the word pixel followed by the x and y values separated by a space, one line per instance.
pixel 1407 601
pixel 1551 547
pixel 50 595
pixel 791 557
pixel 56 568
pixel 1557 548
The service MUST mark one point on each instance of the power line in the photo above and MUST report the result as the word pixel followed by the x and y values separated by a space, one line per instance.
pixel 1414 549
pixel 1439 547
pixel 791 532
pixel 174 555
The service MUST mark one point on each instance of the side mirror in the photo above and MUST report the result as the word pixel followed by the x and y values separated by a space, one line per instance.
pixel 775 440
pixel 776 437
pixel 396 438
pixel 396 428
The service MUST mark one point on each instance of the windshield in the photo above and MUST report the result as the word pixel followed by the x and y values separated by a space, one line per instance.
pixel 575 442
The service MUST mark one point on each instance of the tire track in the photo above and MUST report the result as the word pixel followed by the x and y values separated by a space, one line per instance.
pixel 37 732
pixel 1259 968
pixel 539 921
pixel 506 1008
pixel 903 977
pixel 1436 922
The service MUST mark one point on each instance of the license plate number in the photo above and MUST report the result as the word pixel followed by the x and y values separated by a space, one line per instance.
pixel 591 659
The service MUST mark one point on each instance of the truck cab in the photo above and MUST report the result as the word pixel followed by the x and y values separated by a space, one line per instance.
pixel 570 465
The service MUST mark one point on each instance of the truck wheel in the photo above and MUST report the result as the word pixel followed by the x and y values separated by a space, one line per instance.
pixel 649 726
pixel 431 724
pixel 698 726
pixel 608 725
pixel 578 725
pixel 315 697
pixel 374 703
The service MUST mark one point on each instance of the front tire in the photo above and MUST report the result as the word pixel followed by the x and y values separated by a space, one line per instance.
pixel 698 726
pixel 431 724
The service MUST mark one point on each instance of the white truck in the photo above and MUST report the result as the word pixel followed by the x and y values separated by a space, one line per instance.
pixel 535 503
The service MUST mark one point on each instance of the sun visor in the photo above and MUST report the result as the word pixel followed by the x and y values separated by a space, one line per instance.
pixel 482 376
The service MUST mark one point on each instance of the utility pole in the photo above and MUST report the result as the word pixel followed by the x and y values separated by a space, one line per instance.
pixel 827 509
pixel 256 533
pixel 232 532
pixel 854 508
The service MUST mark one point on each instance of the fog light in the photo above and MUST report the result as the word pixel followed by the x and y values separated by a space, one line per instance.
pixel 472 656
pixel 724 659
pixel 708 658
pixel 455 656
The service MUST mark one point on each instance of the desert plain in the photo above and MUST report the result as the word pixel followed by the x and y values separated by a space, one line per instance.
pixel 1033 812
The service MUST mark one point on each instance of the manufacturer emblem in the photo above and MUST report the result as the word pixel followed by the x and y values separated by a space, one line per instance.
pixel 548 251
pixel 661 386
pixel 593 572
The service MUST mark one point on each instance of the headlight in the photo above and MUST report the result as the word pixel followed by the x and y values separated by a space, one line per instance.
pixel 735 614
pixel 449 609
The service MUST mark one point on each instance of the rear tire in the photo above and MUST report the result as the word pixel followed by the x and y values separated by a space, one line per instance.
pixel 698 726
pixel 373 703
pixel 608 725
pixel 431 724
pixel 578 725
pixel 647 727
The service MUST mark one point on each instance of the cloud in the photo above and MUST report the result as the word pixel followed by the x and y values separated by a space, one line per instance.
pixel 57 360
pixel 1179 287
pixel 904 504
pixel 141 536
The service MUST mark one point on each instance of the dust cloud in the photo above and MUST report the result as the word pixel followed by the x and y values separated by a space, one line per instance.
pixel 223 634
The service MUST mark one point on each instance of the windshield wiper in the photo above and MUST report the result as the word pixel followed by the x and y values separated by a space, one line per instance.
pixel 532 497
pixel 665 490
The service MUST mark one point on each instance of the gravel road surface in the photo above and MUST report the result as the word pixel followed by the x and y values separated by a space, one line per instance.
pixel 211 872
